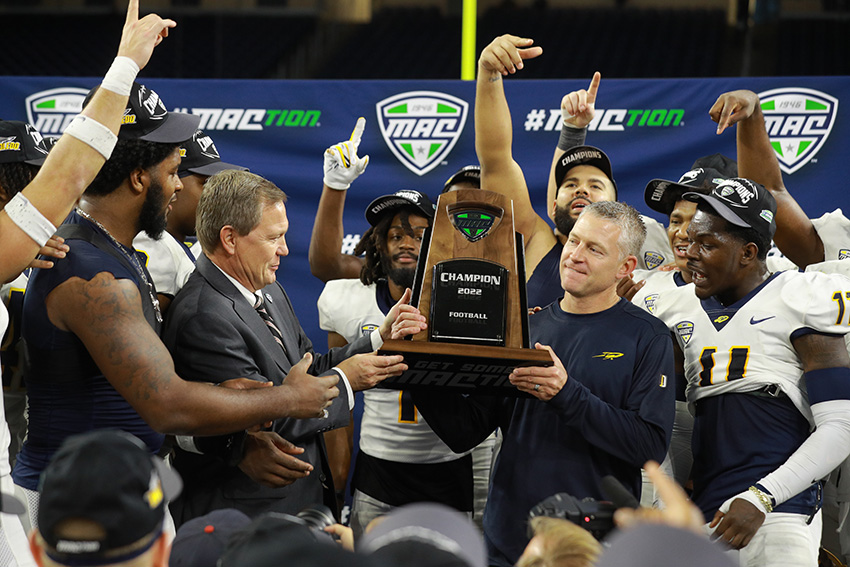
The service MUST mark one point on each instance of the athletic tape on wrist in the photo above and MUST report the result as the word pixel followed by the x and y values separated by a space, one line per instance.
pixel 92 133
pixel 29 219
pixel 571 137
pixel 119 79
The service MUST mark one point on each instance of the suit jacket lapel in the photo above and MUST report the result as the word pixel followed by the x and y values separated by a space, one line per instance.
pixel 246 312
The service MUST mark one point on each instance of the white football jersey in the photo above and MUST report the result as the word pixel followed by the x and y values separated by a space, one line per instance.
pixel 747 346
pixel 834 230
pixel 656 282
pixel 168 263
pixel 656 251
pixel 389 430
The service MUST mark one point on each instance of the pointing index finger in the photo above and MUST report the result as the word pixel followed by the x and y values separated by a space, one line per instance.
pixel 594 86
pixel 132 11
pixel 358 131
pixel 725 116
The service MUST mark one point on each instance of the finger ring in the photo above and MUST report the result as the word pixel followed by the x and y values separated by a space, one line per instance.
pixel 325 414
pixel 536 387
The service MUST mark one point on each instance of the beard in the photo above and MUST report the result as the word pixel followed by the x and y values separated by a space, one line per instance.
pixel 564 222
pixel 402 277
pixel 152 218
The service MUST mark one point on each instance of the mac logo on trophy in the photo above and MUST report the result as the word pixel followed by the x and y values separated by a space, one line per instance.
pixel 470 285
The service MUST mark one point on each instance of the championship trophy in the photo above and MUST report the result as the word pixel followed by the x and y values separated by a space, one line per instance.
pixel 470 285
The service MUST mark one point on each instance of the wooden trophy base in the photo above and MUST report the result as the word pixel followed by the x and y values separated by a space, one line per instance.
pixel 470 369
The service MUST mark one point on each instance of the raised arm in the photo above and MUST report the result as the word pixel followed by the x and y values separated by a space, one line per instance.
pixel 73 163
pixel 577 111
pixel 494 137
pixel 795 235
pixel 342 167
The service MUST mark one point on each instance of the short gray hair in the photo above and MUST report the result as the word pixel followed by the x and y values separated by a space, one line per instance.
pixel 632 229
pixel 233 198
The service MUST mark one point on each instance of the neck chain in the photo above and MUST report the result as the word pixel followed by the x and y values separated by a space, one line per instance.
pixel 134 261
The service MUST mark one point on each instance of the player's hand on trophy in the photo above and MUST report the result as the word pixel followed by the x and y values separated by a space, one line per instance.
pixel 578 107
pixel 506 54
pixel 140 36
pixel 366 371
pixel 342 165
pixel 733 107
pixel 402 320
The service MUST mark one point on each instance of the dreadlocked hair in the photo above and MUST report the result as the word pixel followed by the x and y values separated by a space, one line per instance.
pixel 128 156
pixel 370 246
pixel 13 178
pixel 374 242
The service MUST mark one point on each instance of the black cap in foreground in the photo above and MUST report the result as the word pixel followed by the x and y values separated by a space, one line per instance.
pixel 201 541
pixel 108 479
pixel 272 541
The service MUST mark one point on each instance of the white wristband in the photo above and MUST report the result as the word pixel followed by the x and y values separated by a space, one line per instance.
pixel 119 79
pixel 29 219
pixel 93 133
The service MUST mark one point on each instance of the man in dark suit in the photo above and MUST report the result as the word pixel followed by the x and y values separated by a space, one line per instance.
pixel 232 318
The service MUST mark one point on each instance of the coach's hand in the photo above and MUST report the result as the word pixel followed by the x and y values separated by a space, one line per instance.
pixel 737 526
pixel 366 371
pixel 342 166
pixel 578 107
pixel 506 53
pixel 139 37
pixel 542 382
pixel 733 107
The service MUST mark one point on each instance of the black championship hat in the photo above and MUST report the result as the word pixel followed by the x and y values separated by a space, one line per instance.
pixel 110 479
pixel 20 142
pixel 146 118
pixel 743 203
pixel 467 174
pixel 584 155
pixel 403 198
pixel 200 156
pixel 661 195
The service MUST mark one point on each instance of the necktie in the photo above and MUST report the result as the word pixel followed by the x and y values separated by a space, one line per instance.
pixel 267 319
